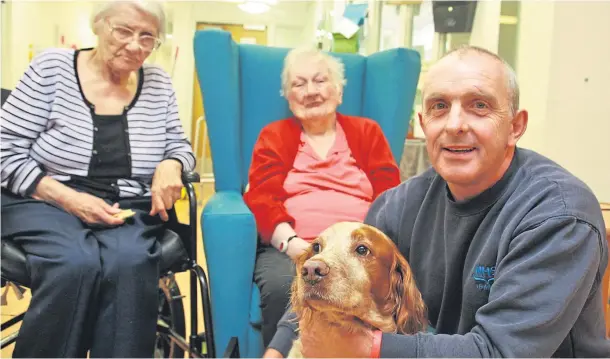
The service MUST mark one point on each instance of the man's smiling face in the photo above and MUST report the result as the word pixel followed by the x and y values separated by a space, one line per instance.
pixel 468 121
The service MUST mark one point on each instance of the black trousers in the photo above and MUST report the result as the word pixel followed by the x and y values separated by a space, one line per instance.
pixel 273 274
pixel 92 288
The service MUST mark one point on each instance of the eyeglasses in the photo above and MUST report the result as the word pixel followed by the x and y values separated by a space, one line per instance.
pixel 124 34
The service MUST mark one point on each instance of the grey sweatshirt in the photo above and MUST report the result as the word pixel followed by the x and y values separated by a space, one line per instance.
pixel 513 272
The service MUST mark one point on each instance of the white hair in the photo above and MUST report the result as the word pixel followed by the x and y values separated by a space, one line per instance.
pixel 336 68
pixel 153 8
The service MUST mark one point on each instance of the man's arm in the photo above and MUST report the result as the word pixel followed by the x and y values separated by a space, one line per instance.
pixel 285 335
pixel 386 210
pixel 540 289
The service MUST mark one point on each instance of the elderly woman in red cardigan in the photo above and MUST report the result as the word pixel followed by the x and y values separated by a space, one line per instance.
pixel 309 171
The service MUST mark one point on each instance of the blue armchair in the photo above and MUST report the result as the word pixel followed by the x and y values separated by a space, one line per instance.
pixel 241 91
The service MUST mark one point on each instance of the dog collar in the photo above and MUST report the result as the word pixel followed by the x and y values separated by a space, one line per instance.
pixel 376 349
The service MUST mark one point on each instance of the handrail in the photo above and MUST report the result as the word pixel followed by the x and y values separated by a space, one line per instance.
pixel 205 176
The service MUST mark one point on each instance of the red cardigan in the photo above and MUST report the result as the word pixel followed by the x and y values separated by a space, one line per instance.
pixel 274 154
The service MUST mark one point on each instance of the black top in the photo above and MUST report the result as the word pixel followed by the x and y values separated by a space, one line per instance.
pixel 111 153
pixel 110 159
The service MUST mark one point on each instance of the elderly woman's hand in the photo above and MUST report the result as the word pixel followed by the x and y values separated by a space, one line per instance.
pixel 93 210
pixel 166 187
pixel 297 247
pixel 90 209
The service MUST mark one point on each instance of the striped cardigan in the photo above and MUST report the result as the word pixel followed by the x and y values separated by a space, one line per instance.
pixel 47 128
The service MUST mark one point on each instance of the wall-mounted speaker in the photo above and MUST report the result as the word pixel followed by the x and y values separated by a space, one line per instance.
pixel 4 93
pixel 453 16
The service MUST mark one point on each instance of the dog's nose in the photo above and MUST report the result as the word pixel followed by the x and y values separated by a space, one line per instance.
pixel 314 271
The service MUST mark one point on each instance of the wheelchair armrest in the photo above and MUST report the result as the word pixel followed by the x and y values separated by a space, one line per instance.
pixel 190 177
pixel 14 263
pixel 190 239
pixel 174 256
pixel 230 241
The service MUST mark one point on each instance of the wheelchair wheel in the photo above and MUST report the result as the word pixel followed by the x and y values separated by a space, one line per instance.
pixel 171 313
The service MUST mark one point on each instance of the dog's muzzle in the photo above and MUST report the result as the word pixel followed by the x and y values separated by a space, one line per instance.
pixel 314 271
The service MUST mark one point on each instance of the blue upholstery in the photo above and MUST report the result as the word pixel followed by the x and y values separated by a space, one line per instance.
pixel 241 86
pixel 230 243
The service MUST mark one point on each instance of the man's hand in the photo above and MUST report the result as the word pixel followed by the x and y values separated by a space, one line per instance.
pixel 92 210
pixel 296 247
pixel 166 187
pixel 272 353
pixel 349 344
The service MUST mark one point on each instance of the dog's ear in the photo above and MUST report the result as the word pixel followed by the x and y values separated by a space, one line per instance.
pixel 409 308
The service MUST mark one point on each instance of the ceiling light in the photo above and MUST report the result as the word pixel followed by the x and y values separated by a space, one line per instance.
pixel 508 20
pixel 254 7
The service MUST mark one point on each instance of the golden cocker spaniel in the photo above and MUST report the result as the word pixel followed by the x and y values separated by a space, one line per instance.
pixel 353 278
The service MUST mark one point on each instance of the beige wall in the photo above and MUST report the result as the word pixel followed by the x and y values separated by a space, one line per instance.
pixel 560 44
pixel 41 23
pixel 563 65
pixel 533 70
pixel 579 93
pixel 288 23
pixel 485 28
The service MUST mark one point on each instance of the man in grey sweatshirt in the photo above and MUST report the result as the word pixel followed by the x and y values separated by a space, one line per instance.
pixel 507 247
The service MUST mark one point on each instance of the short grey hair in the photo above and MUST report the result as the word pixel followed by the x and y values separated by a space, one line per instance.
pixel 154 8
pixel 511 76
pixel 335 66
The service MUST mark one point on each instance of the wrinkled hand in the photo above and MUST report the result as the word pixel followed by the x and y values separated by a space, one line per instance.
pixel 93 210
pixel 166 188
pixel 296 247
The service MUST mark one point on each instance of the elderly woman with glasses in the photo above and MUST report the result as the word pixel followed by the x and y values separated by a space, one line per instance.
pixel 309 171
pixel 86 135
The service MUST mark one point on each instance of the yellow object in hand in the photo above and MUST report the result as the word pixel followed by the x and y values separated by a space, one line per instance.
pixel 124 214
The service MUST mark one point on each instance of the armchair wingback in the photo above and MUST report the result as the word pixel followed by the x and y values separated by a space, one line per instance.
pixel 240 84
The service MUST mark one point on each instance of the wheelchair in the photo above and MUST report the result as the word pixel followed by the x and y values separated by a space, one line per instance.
pixel 178 254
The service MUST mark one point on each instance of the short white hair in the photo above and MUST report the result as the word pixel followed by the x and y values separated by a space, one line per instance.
pixel 336 68
pixel 153 8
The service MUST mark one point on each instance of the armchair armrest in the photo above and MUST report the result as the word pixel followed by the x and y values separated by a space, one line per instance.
pixel 230 240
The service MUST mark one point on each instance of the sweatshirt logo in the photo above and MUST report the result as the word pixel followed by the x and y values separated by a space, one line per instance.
pixel 484 276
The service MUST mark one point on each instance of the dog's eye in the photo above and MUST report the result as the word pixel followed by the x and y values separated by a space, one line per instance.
pixel 362 250
pixel 316 247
